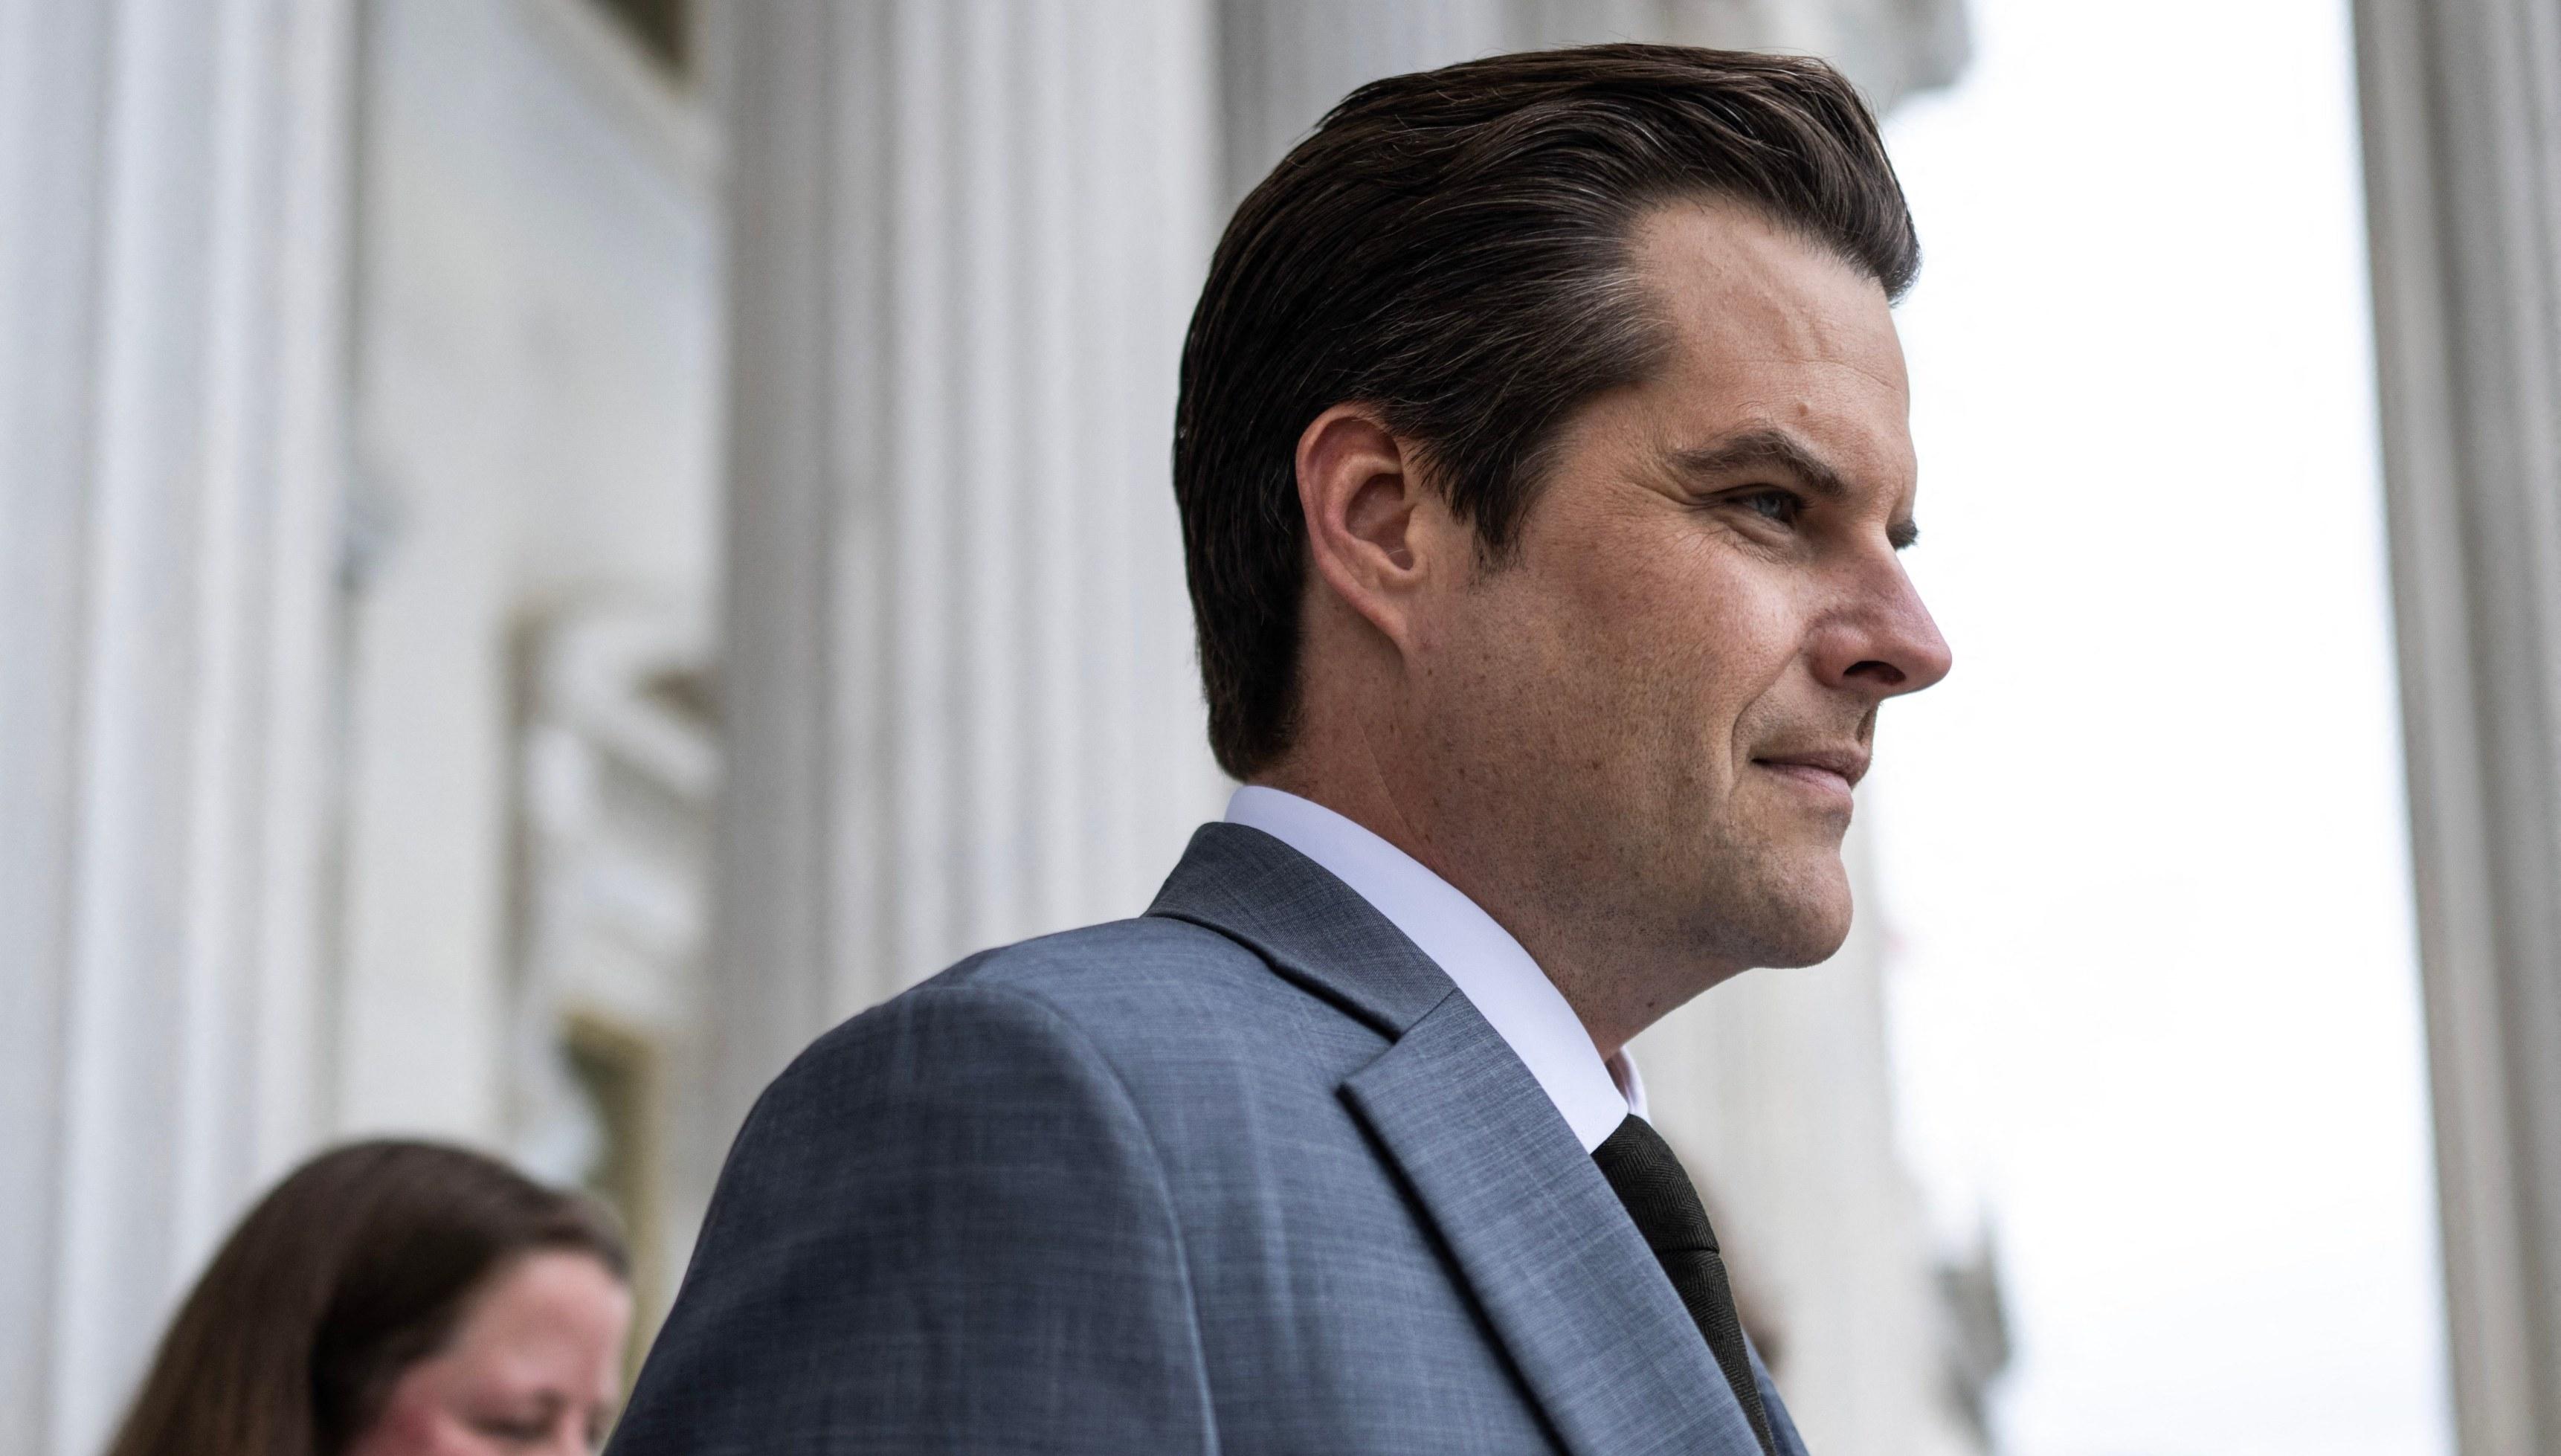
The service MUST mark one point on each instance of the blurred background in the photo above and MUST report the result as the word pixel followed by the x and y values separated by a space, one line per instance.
pixel 550 550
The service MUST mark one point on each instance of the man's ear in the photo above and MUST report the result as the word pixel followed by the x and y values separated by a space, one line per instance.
pixel 1373 527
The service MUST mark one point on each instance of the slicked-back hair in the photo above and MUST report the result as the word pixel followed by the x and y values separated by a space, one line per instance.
pixel 1454 249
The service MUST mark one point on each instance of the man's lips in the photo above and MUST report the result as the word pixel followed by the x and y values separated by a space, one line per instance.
pixel 1830 770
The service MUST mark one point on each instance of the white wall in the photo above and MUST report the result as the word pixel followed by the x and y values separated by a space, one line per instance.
pixel 537 392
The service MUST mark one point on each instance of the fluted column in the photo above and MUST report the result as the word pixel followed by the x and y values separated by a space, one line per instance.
pixel 172 190
pixel 957 701
pixel 2462 102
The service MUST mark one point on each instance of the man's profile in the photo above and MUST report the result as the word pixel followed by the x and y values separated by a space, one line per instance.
pixel 1543 465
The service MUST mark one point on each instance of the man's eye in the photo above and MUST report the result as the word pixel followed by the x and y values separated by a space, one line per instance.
pixel 1779 506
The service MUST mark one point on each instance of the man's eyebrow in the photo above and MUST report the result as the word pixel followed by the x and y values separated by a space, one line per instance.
pixel 1779 451
pixel 1764 449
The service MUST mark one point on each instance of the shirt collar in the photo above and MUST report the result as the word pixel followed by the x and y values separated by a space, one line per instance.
pixel 1494 973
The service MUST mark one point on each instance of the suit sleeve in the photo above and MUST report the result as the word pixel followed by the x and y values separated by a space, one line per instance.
pixel 943 1229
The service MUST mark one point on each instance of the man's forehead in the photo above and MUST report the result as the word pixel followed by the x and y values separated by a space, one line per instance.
pixel 1781 351
pixel 1744 292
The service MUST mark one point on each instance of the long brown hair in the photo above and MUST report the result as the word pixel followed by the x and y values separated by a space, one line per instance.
pixel 355 1267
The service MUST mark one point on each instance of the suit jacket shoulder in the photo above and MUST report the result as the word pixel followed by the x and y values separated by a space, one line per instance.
pixel 1195 1024
pixel 908 1247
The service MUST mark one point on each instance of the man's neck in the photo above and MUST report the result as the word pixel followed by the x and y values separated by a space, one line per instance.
pixel 1610 1009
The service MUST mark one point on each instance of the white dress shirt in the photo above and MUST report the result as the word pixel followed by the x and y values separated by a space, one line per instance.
pixel 1506 987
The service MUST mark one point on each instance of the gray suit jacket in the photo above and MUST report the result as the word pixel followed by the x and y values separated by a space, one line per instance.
pixel 1245 1175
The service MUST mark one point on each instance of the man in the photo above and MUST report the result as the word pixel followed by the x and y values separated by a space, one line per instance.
pixel 1543 468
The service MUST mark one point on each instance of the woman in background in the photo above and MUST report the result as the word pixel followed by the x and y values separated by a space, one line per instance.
pixel 396 1299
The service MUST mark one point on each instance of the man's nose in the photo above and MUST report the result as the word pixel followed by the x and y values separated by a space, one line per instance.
pixel 1882 641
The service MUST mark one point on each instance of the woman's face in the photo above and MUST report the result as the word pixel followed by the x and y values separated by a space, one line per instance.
pixel 535 1365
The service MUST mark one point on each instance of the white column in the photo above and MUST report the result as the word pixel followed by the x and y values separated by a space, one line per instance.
pixel 958 706
pixel 2461 102
pixel 172 190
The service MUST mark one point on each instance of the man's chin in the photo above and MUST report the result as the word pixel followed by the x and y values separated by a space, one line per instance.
pixel 1793 919
pixel 1810 948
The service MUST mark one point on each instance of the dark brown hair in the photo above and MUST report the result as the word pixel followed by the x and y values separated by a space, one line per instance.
pixel 356 1266
pixel 1452 247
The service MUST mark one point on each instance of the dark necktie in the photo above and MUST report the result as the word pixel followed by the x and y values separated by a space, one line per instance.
pixel 1648 1180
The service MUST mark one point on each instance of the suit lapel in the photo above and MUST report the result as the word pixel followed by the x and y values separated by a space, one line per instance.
pixel 1601 1338
pixel 1572 1291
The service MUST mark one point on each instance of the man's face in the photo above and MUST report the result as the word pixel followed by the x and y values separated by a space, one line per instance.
pixel 1671 690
